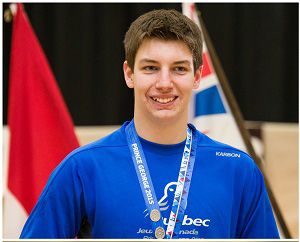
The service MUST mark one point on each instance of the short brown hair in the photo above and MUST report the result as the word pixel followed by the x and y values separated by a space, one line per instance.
pixel 167 25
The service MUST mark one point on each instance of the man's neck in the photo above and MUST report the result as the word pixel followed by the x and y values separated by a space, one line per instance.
pixel 161 133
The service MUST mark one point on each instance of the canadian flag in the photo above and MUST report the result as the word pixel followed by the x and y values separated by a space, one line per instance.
pixel 40 127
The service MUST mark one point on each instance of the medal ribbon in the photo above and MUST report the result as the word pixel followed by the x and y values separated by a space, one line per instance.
pixel 183 185
pixel 147 188
pixel 142 172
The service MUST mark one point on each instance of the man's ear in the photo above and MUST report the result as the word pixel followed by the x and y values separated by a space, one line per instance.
pixel 128 74
pixel 197 77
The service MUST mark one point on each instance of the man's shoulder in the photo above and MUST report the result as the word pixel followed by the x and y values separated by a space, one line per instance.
pixel 115 139
pixel 231 159
pixel 220 149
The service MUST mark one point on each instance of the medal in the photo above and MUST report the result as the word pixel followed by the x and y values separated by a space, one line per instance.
pixel 183 183
pixel 155 215
pixel 159 233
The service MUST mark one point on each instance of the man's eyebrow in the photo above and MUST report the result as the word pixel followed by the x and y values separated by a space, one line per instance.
pixel 182 62
pixel 147 60
pixel 155 62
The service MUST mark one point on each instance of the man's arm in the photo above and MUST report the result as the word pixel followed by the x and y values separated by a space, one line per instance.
pixel 60 208
pixel 256 219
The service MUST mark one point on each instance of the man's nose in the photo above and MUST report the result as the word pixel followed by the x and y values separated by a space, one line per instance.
pixel 164 80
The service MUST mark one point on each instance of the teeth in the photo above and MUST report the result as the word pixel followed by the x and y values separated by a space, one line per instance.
pixel 166 100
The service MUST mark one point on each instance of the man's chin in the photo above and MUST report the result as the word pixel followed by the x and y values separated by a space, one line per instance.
pixel 165 115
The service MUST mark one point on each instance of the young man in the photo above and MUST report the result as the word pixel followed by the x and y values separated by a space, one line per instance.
pixel 157 176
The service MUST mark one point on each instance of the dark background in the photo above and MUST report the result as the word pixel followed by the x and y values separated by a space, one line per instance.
pixel 257 45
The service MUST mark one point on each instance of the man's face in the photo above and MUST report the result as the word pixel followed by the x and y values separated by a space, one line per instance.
pixel 163 79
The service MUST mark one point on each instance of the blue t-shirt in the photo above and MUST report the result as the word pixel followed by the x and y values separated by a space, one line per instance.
pixel 227 197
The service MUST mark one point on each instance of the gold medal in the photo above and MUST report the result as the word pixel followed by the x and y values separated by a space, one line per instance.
pixel 159 233
pixel 155 215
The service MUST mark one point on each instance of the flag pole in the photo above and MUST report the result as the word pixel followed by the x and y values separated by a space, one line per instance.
pixel 240 120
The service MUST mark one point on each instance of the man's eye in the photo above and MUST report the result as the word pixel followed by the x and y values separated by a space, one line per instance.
pixel 150 68
pixel 180 69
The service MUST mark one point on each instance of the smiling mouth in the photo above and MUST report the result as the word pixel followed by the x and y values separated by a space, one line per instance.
pixel 163 100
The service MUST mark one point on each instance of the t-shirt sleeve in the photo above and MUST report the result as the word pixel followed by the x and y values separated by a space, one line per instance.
pixel 256 219
pixel 60 208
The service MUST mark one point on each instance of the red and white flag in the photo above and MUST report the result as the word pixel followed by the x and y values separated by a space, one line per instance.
pixel 41 129
pixel 209 110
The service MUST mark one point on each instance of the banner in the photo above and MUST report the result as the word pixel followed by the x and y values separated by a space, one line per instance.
pixel 209 110
pixel 41 129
